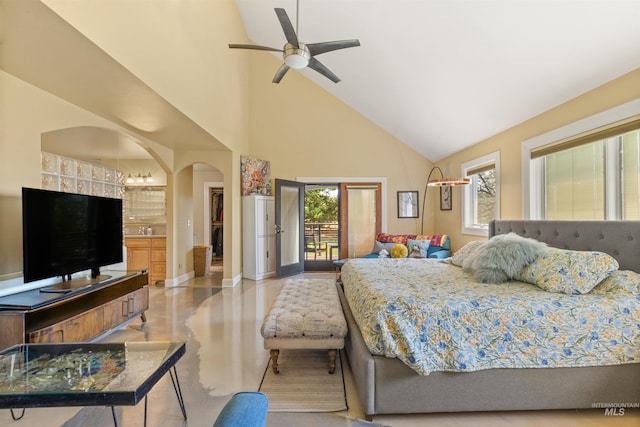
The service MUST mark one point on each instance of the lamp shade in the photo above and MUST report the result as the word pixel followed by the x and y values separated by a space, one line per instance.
pixel 448 182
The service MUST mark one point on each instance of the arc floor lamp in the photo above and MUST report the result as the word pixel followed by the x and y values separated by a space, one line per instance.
pixel 442 182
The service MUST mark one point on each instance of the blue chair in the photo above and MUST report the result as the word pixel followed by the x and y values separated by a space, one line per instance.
pixel 245 409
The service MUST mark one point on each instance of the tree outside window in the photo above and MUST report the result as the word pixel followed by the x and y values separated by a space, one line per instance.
pixel 481 199
pixel 486 196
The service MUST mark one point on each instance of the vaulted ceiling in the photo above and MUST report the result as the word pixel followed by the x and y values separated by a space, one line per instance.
pixel 441 75
pixel 41 48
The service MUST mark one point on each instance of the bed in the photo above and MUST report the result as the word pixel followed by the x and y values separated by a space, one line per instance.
pixel 387 385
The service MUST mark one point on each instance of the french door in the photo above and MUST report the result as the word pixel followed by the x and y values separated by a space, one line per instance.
pixel 289 227
pixel 360 219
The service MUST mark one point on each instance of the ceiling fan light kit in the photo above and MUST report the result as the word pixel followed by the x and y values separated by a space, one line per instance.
pixel 296 57
pixel 299 55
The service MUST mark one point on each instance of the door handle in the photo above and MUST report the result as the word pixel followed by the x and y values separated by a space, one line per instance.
pixel 278 229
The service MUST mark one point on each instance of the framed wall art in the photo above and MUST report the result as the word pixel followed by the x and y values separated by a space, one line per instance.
pixel 445 198
pixel 408 204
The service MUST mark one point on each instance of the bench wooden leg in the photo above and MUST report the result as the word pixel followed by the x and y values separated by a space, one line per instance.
pixel 332 360
pixel 274 360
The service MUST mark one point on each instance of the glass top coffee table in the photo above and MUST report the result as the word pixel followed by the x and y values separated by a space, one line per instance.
pixel 86 374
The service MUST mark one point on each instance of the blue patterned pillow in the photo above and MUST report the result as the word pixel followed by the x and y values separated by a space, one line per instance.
pixel 568 272
pixel 620 282
pixel 464 252
pixel 417 248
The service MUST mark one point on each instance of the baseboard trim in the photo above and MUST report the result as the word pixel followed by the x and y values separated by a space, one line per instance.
pixel 230 283
pixel 170 283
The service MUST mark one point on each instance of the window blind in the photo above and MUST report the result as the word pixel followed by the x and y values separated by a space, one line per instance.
pixel 604 132
pixel 480 169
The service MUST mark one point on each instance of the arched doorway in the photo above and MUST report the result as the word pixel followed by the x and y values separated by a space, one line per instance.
pixel 108 163
pixel 208 213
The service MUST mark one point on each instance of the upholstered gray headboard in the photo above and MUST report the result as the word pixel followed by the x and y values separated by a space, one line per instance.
pixel 620 239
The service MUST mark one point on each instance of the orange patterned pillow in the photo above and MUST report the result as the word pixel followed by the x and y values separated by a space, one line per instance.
pixel 394 238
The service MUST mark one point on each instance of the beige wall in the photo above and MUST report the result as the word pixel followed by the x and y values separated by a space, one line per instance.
pixel 187 61
pixel 182 233
pixel 211 84
pixel 619 91
pixel 25 113
pixel 306 132
pixel 180 49
pixel 300 128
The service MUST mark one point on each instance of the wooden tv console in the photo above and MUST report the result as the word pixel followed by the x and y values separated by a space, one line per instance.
pixel 79 314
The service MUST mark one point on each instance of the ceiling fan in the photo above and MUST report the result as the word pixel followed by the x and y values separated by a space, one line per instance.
pixel 300 55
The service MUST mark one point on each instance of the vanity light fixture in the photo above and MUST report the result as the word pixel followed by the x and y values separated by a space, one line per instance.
pixel 140 178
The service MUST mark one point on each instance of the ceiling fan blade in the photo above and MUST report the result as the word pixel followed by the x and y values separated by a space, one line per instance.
pixel 280 73
pixel 253 47
pixel 317 65
pixel 285 23
pixel 318 48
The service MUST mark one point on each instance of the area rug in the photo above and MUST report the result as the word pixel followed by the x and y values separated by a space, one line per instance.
pixel 304 383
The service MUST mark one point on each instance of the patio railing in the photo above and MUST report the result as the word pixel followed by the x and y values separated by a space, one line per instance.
pixel 326 237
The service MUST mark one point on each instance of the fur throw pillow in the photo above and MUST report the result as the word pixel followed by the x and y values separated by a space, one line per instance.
pixel 502 257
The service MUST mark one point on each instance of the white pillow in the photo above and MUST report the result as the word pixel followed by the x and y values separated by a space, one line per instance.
pixel 378 246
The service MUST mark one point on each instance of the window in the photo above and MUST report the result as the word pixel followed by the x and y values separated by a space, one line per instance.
pixel 574 182
pixel 631 175
pixel 481 199
pixel 588 170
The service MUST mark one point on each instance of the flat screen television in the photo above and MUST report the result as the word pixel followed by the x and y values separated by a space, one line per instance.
pixel 64 233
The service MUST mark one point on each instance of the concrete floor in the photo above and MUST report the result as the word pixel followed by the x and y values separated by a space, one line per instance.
pixel 221 327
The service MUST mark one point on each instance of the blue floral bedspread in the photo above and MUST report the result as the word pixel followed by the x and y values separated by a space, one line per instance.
pixel 434 317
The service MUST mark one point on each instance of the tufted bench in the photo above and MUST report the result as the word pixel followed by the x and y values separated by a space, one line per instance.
pixel 305 315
